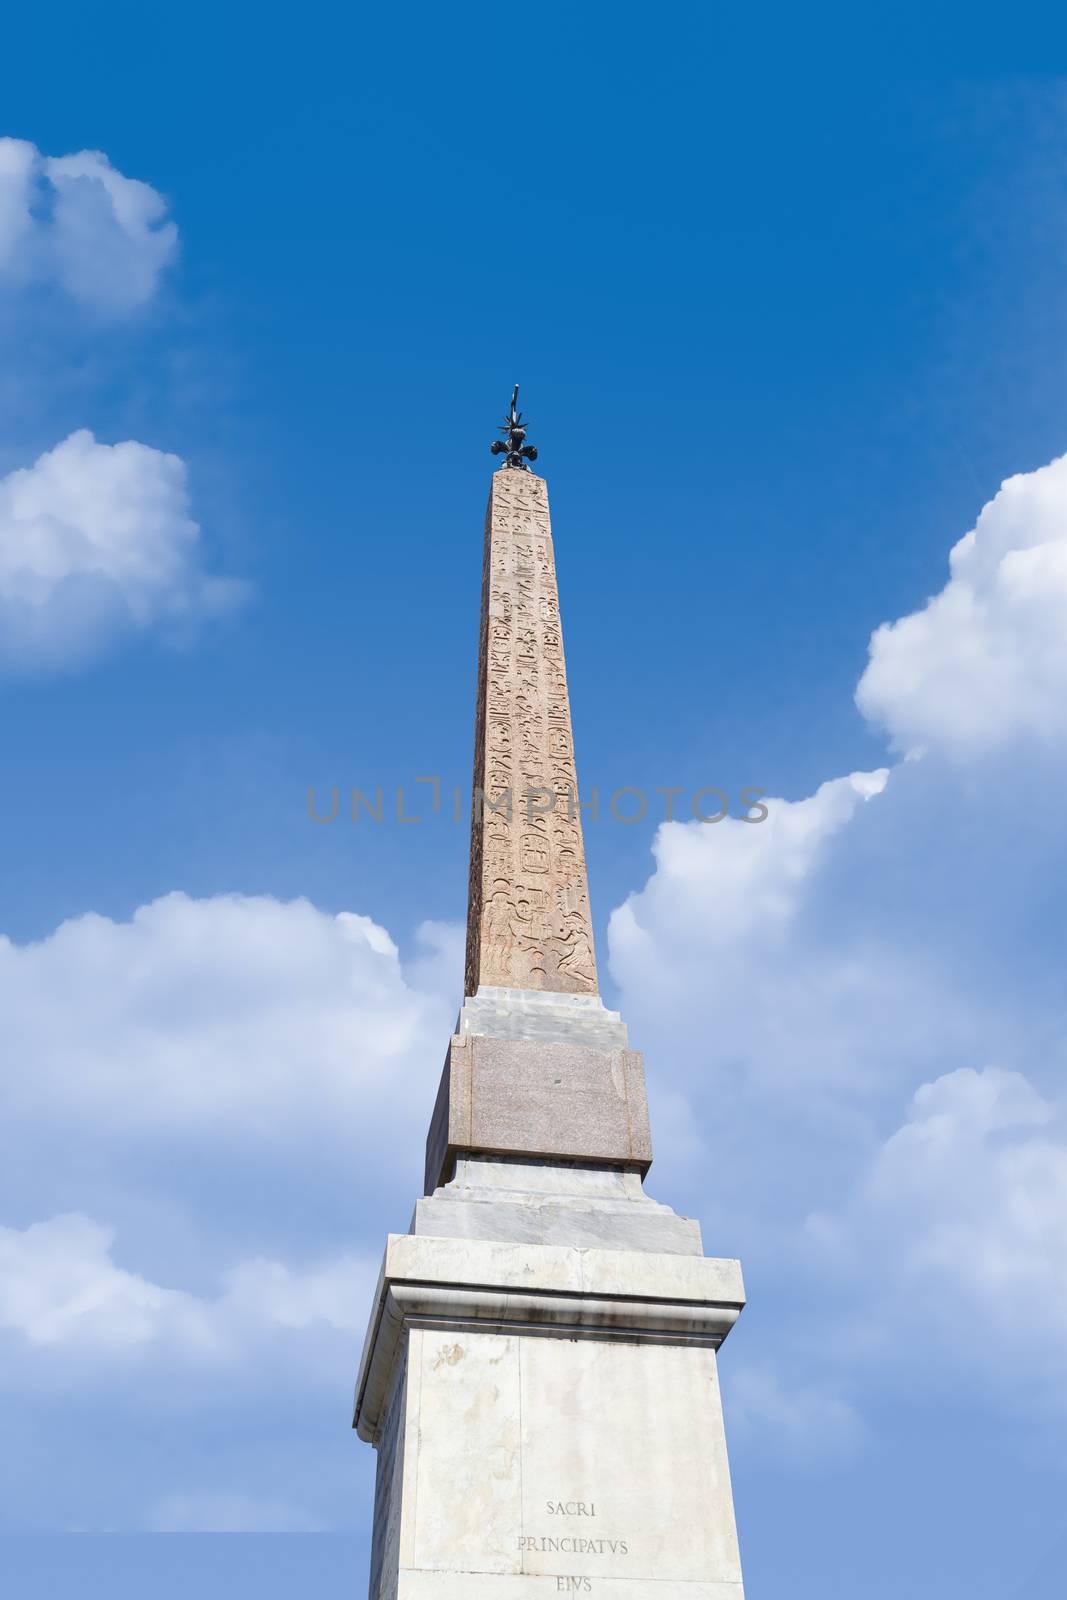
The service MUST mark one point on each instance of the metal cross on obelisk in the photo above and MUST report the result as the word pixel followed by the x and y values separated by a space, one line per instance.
pixel 514 444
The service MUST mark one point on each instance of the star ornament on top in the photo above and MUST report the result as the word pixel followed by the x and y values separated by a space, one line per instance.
pixel 513 446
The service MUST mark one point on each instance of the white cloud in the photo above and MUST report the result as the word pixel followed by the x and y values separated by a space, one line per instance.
pixel 719 884
pixel 839 943
pixel 796 1420
pixel 796 981
pixel 732 957
pixel 77 222
pixel 959 1229
pixel 59 1286
pixel 336 1294
pixel 18 161
pixel 223 1512
pixel 240 1017
pixel 96 541
pixel 985 661
pixel 62 1290
pixel 438 968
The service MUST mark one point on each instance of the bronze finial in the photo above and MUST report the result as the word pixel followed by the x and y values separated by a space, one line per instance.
pixel 514 445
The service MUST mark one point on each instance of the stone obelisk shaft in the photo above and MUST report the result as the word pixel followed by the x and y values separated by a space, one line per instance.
pixel 528 922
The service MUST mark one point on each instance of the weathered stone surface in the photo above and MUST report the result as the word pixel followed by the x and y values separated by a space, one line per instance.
pixel 388 1493
pixel 581 1292
pixel 528 922
pixel 544 1202
pixel 509 1385
pixel 529 1097
pixel 542 1014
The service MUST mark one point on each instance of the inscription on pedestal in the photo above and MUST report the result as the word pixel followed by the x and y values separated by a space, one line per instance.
pixel 571 1543
pixel 546 1544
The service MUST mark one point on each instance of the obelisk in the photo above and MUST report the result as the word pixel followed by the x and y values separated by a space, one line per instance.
pixel 528 924
pixel 539 1374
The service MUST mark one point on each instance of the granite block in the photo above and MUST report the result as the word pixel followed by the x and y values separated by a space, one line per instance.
pixel 536 1098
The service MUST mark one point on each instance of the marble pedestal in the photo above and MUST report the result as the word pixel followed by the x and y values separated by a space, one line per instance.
pixel 547 1420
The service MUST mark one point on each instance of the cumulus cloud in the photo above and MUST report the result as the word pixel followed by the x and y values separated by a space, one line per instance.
pixel 193 1102
pixel 96 542
pixel 78 223
pixel 841 941
pixel 207 1090
pixel 984 662
pixel 962 1214
pixel 740 962
pixel 62 1290
pixel 716 885
pixel 799 981
pixel 233 1013
pixel 59 1286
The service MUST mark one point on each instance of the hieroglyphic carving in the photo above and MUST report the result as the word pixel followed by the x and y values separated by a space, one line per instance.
pixel 528 922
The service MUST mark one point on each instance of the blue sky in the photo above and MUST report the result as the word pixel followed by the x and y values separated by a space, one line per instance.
pixel 786 296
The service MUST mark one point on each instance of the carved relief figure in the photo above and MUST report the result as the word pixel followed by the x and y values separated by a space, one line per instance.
pixel 498 937
pixel 577 958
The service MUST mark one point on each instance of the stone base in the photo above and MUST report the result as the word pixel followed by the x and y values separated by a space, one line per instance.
pixel 542 1014
pixel 553 1202
pixel 538 1074
pixel 529 1097
pixel 548 1422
